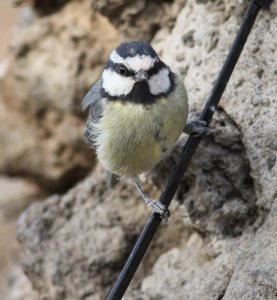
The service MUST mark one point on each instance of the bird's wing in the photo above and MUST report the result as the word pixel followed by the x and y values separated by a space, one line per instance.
pixel 93 101
pixel 92 96
pixel 112 180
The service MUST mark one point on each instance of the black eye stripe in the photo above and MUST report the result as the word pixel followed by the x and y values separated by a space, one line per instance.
pixel 152 71
pixel 118 68
pixel 156 68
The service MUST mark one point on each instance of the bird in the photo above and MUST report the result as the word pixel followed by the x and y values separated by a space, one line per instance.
pixel 137 111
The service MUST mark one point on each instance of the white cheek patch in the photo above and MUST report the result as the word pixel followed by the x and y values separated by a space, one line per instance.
pixel 115 84
pixel 160 82
pixel 135 63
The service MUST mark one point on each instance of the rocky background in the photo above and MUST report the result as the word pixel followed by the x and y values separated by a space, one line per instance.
pixel 75 234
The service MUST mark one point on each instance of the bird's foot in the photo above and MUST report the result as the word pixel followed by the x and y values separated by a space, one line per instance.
pixel 196 127
pixel 156 207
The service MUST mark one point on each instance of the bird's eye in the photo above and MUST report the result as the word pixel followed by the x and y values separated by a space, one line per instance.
pixel 122 70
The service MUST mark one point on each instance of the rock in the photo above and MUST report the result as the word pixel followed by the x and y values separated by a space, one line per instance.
pixel 217 269
pixel 19 287
pixel 255 275
pixel 76 244
pixel 49 156
pixel 16 194
pixel 194 271
pixel 140 19
pixel 43 7
pixel 54 60
pixel 9 249
pixel 217 194
pixel 248 99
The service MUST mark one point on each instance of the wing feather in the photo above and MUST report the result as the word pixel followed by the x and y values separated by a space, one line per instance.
pixel 92 96
pixel 93 101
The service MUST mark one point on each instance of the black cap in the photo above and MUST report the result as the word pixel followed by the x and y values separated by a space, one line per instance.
pixel 134 48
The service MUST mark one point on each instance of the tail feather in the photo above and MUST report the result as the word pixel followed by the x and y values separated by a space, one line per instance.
pixel 112 180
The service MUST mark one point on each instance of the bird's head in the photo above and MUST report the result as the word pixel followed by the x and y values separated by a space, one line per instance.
pixel 135 73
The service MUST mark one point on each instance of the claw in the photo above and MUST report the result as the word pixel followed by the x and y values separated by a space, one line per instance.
pixel 197 127
pixel 156 207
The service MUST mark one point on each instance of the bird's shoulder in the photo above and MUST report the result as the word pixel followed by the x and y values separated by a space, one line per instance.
pixel 93 96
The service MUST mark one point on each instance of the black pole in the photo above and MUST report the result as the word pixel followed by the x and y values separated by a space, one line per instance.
pixel 192 143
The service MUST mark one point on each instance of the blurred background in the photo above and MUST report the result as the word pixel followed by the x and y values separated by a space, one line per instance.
pixel 41 148
pixel 8 18
pixel 10 199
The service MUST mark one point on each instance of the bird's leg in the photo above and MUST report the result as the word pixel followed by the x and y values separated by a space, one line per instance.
pixel 197 127
pixel 156 207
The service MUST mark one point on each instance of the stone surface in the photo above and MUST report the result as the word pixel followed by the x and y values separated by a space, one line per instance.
pixel 18 286
pixel 8 17
pixel 9 249
pixel 198 45
pixel 16 194
pixel 75 244
pixel 220 242
pixel 140 19
pixel 217 193
pixel 53 62
pixel 198 270
pixel 255 275
pixel 226 269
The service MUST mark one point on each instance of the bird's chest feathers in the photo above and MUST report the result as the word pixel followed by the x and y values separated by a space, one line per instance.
pixel 136 127
pixel 133 138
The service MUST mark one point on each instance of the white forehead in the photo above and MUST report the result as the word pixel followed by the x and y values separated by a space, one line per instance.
pixel 135 63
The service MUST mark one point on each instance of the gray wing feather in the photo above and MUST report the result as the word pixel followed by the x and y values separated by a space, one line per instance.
pixel 112 180
pixel 92 96
pixel 93 101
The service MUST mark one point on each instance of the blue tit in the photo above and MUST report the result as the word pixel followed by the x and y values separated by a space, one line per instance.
pixel 137 111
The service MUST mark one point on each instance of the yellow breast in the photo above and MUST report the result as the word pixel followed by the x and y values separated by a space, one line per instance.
pixel 133 138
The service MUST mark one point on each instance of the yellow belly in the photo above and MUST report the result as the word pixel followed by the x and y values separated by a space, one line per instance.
pixel 133 138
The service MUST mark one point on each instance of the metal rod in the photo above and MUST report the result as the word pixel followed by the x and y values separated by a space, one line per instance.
pixel 135 258
pixel 154 221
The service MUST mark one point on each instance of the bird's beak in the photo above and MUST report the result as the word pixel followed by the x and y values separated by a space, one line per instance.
pixel 141 75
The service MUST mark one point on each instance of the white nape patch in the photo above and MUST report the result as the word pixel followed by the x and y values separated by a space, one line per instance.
pixel 135 63
pixel 115 84
pixel 160 82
